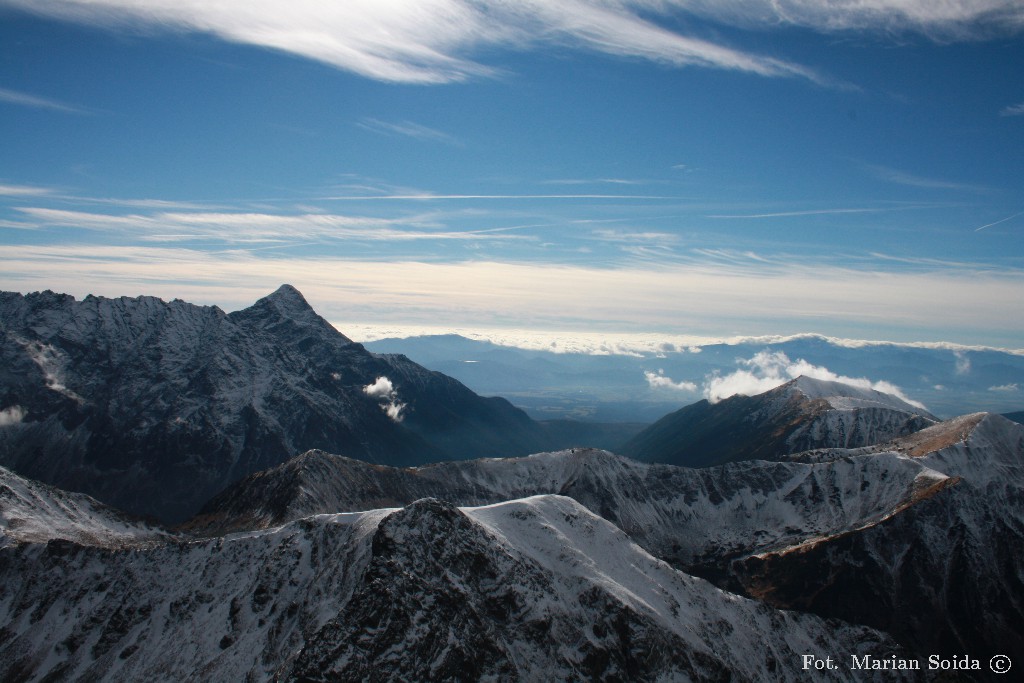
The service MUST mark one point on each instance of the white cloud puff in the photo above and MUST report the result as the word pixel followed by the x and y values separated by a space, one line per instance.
pixel 658 380
pixel 383 390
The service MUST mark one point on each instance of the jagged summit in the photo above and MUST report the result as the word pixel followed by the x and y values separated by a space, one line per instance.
pixel 287 300
pixel 984 448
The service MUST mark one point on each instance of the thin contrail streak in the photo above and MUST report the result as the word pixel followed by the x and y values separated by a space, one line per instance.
pixel 1019 213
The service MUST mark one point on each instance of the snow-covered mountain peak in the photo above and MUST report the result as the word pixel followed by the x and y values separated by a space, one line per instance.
pixel 288 299
pixel 286 307
pixel 842 396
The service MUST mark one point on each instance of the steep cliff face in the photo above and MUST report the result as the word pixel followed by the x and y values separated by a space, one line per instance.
pixel 532 589
pixel 800 415
pixel 154 406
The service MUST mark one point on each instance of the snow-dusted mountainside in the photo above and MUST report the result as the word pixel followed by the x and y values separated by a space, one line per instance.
pixel 887 535
pixel 800 415
pixel 31 512
pixel 155 406
pixel 688 517
pixel 946 573
pixel 534 589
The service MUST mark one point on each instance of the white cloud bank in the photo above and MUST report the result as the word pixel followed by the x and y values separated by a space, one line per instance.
pixel 767 370
pixel 383 390
pixel 433 41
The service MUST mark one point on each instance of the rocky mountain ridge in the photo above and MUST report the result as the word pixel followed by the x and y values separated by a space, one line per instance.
pixel 521 590
pixel 879 523
pixel 155 406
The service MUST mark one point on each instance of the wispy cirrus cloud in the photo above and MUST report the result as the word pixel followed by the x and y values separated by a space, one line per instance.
pixel 24 99
pixel 597 181
pixel 407 129
pixel 899 177
pixel 430 196
pixel 434 41
pixel 427 41
pixel 250 227
pixel 791 214
pixel 1013 110
pixel 633 237
pixel 943 21
pixel 24 191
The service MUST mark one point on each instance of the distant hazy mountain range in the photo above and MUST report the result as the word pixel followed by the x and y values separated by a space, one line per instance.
pixel 949 381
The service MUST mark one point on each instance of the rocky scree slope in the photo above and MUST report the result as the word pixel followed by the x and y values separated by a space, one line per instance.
pixel 154 407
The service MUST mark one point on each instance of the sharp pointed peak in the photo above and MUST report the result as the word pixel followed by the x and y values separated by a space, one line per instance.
pixel 286 303
pixel 287 300
pixel 287 293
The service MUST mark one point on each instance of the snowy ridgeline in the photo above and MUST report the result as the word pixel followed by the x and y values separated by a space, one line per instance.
pixel 538 584
pixel 538 588
pixel 680 514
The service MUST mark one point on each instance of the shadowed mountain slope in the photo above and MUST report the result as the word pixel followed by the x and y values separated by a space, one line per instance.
pixel 154 406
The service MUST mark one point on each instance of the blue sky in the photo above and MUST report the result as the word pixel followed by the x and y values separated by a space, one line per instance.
pixel 681 167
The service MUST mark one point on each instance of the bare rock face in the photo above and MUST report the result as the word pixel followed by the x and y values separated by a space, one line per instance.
pixel 154 407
